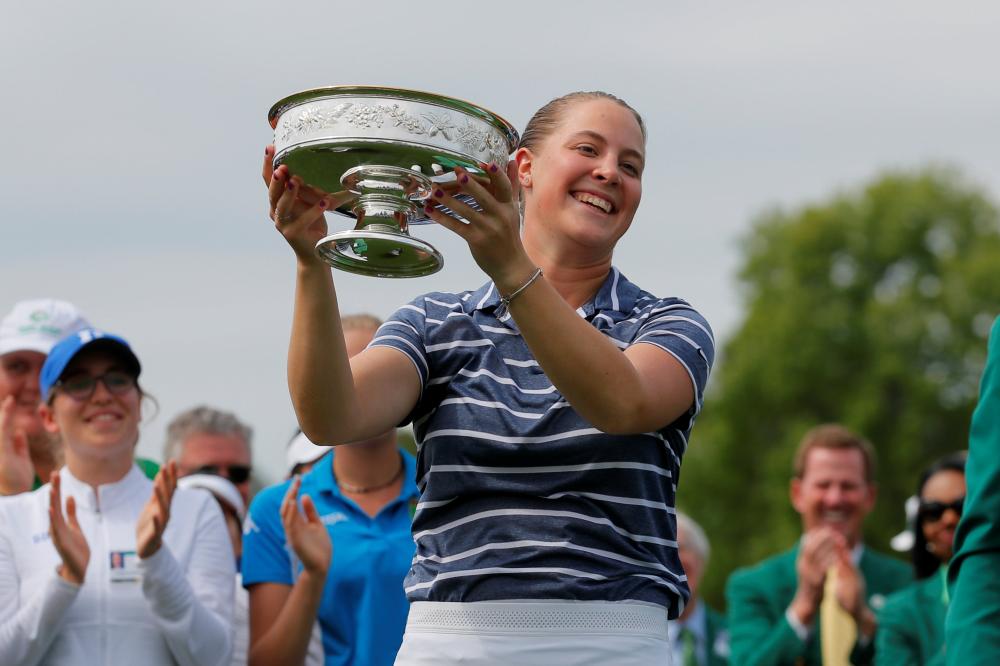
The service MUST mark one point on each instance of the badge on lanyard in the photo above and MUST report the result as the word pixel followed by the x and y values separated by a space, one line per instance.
pixel 124 566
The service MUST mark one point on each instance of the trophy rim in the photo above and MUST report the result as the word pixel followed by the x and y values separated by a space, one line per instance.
pixel 411 94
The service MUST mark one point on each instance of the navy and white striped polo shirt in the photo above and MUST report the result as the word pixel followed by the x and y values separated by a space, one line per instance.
pixel 522 499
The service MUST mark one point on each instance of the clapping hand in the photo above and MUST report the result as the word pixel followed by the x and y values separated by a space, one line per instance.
pixel 850 592
pixel 155 515
pixel 66 535
pixel 305 532
pixel 819 551
pixel 16 470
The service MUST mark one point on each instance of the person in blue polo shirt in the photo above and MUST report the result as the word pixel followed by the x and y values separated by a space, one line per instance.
pixel 551 407
pixel 356 501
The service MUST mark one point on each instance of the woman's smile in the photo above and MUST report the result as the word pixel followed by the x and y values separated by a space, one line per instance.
pixel 594 200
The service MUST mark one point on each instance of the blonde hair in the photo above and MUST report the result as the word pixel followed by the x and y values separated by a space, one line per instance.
pixel 547 118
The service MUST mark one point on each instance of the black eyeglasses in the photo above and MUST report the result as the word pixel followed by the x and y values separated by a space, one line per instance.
pixel 934 510
pixel 82 386
pixel 235 473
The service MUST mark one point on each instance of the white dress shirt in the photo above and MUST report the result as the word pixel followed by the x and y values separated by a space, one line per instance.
pixel 172 608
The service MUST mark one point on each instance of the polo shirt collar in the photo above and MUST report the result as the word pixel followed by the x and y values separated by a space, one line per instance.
pixel 616 293
pixel 107 496
pixel 322 479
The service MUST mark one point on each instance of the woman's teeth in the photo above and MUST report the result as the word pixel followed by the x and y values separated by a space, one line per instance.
pixel 586 198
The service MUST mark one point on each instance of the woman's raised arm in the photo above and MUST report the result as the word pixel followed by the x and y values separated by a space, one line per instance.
pixel 641 390
pixel 336 399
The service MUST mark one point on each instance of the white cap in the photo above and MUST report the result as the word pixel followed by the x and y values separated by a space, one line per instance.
pixel 38 324
pixel 223 489
pixel 301 452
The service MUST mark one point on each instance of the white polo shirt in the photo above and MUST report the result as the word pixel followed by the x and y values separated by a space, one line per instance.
pixel 172 608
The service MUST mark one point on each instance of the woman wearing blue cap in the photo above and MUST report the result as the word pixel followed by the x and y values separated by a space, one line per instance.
pixel 106 576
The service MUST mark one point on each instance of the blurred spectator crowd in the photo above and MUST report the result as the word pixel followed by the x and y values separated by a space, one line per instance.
pixel 105 556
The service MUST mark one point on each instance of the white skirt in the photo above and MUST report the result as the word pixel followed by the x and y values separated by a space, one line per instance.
pixel 559 633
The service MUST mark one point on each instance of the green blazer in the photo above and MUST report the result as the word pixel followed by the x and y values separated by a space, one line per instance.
pixel 911 625
pixel 972 628
pixel 758 597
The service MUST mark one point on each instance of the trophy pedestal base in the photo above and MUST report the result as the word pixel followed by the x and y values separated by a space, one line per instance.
pixel 377 253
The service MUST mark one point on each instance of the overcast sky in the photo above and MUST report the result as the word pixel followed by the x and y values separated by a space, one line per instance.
pixel 134 134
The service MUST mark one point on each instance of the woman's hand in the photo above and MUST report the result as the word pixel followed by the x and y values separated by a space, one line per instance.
pixel 66 535
pixel 305 532
pixel 493 234
pixel 16 470
pixel 297 209
pixel 154 517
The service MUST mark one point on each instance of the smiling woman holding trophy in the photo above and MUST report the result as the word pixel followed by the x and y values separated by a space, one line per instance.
pixel 551 406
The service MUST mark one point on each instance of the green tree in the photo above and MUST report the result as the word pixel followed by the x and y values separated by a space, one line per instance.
pixel 871 309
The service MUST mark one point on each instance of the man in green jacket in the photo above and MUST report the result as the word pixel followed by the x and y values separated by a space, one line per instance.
pixel 699 636
pixel 774 605
pixel 972 628
pixel 912 625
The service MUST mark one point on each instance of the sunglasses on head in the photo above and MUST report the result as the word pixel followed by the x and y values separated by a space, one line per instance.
pixel 934 510
pixel 82 386
pixel 235 473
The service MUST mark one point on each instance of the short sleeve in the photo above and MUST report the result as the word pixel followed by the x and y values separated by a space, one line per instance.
pixel 678 329
pixel 265 554
pixel 404 331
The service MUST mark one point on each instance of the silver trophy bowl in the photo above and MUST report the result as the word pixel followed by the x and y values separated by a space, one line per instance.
pixel 387 147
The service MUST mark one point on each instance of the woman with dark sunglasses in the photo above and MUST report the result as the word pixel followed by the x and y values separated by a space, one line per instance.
pixel 911 624
pixel 125 570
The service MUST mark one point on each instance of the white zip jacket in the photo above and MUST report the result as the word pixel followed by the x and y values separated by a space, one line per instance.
pixel 173 608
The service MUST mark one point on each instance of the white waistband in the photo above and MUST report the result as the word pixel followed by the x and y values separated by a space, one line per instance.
pixel 538 617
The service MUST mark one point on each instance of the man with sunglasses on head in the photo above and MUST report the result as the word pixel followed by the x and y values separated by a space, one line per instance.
pixel 204 440
pixel 816 603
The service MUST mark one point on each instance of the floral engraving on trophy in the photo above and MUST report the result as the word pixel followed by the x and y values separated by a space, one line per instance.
pixel 472 136
pixel 312 119
pixel 440 123
pixel 478 140
pixel 366 116
pixel 401 118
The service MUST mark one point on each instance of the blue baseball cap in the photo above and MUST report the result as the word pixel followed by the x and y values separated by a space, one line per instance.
pixel 66 350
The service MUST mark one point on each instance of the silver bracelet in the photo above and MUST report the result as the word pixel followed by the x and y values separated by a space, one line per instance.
pixel 503 309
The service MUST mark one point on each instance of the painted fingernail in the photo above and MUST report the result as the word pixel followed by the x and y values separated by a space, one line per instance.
pixel 464 179
pixel 291 184
pixel 428 209
pixel 493 168
pixel 267 150
pixel 323 203
pixel 438 194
